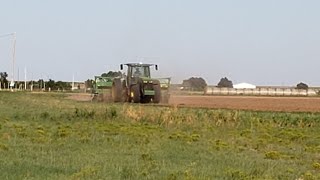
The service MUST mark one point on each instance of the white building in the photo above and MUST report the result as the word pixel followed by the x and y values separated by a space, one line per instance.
pixel 244 86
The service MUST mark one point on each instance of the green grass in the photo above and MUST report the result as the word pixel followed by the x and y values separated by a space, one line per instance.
pixel 46 136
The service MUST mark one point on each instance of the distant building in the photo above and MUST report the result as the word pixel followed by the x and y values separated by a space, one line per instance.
pixel 244 86
pixel 78 85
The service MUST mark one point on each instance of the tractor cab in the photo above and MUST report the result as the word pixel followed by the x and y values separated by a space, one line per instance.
pixel 138 71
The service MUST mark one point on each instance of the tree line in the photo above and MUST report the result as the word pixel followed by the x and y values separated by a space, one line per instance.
pixel 199 84
pixel 193 83
pixel 39 84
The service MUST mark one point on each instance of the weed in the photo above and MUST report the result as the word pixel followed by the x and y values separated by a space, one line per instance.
pixel 316 165
pixel 237 174
pixel 44 115
pixel 127 173
pixel 309 176
pixel 273 155
pixel 85 173
pixel 219 144
pixel 111 112
pixel 83 113
pixel 4 147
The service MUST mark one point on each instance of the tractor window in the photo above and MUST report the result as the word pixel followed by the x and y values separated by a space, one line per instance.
pixel 141 72
pixel 146 71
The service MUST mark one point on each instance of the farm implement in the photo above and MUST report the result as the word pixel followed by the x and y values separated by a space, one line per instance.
pixel 102 88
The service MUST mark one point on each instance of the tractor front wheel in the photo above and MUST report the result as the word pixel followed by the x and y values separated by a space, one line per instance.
pixel 135 93
pixel 157 93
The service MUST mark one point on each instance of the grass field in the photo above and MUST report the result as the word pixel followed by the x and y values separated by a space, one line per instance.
pixel 46 136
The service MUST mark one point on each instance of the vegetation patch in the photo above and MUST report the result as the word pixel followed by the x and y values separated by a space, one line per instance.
pixel 45 136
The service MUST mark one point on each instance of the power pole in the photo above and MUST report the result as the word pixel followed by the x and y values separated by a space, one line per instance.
pixel 25 78
pixel 13 58
pixel 72 82
pixel 18 80
pixel 31 88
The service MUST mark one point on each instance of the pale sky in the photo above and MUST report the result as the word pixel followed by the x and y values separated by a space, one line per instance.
pixel 263 42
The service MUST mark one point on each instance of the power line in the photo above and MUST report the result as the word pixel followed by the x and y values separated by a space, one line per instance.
pixel 8 34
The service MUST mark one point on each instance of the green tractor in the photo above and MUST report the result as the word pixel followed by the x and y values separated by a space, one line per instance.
pixel 138 86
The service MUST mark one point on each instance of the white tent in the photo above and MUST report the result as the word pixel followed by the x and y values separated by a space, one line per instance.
pixel 244 86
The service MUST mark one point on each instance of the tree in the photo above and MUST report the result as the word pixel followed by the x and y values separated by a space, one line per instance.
pixel 51 84
pixel 112 74
pixel 3 79
pixel 225 82
pixel 194 83
pixel 89 83
pixel 63 85
pixel 302 85
pixel 40 83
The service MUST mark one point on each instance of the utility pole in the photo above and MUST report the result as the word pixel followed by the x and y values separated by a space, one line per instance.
pixel 25 78
pixel 13 55
pixel 72 82
pixel 18 80
pixel 31 88
pixel 13 58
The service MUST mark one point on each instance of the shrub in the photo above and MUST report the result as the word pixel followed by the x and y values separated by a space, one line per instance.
pixel 225 82
pixel 302 85
pixel 194 83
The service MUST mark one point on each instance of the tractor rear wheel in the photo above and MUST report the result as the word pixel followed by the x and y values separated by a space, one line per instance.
pixel 135 93
pixel 157 93
pixel 117 95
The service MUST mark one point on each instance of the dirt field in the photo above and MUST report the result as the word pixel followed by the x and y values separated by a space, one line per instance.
pixel 80 97
pixel 287 104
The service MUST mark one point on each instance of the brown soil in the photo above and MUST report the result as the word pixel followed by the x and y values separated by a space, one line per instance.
pixel 80 97
pixel 286 104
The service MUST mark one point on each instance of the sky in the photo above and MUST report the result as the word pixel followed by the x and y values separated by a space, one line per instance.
pixel 263 42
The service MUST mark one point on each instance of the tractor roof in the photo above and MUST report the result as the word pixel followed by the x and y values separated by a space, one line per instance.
pixel 138 64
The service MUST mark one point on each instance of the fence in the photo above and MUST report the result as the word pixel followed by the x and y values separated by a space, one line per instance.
pixel 262 91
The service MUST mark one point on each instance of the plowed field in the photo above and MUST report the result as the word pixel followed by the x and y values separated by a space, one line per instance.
pixel 286 104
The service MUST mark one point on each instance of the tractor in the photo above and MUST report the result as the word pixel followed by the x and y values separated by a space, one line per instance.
pixel 138 86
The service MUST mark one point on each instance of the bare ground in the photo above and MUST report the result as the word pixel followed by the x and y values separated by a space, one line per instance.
pixel 285 104
pixel 80 97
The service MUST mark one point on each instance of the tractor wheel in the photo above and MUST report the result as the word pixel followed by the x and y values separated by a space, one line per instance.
pixel 135 93
pixel 157 93
pixel 117 95
pixel 126 97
